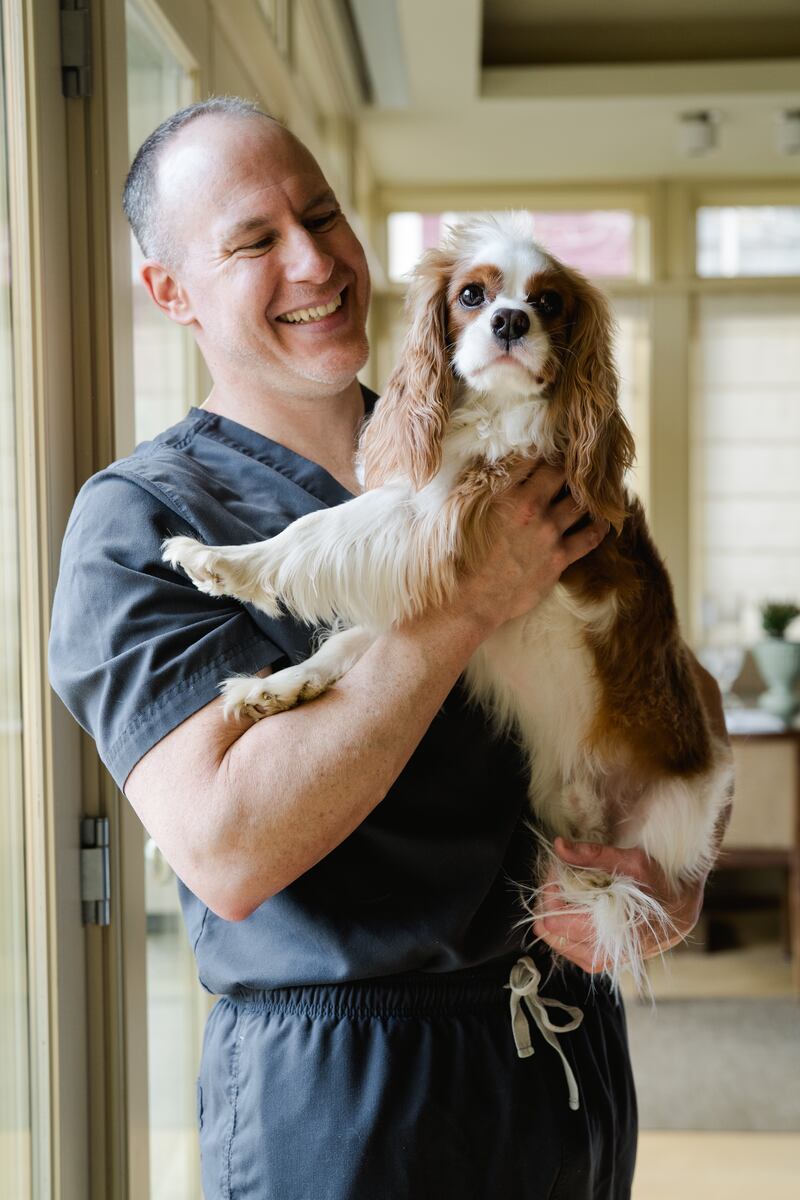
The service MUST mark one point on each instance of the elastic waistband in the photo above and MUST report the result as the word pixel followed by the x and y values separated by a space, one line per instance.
pixel 415 994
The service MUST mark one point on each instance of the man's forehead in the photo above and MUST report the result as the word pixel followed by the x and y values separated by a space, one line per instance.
pixel 224 167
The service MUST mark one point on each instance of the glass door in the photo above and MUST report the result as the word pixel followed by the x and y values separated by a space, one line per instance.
pixel 164 354
pixel 15 1107
pixel 162 79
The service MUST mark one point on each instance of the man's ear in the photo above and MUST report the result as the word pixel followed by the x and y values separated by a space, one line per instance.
pixel 170 295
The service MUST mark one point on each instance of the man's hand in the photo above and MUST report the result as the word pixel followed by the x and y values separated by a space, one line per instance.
pixel 573 937
pixel 531 547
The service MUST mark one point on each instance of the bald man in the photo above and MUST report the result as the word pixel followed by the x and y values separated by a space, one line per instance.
pixel 347 870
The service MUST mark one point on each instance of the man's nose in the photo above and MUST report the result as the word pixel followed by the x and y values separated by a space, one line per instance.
pixel 304 260
pixel 510 324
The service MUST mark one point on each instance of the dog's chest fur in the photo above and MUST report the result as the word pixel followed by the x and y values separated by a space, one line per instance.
pixel 492 426
pixel 535 676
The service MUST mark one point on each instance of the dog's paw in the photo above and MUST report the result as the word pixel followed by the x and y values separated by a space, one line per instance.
pixel 264 697
pixel 204 565
pixel 222 571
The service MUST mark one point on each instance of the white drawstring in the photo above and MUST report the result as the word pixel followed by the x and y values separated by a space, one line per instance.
pixel 524 984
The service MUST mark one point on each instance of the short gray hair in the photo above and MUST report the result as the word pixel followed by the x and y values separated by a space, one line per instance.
pixel 140 198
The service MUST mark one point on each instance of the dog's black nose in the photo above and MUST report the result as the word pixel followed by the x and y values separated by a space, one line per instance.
pixel 510 324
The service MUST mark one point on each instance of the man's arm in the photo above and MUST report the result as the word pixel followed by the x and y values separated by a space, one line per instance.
pixel 241 810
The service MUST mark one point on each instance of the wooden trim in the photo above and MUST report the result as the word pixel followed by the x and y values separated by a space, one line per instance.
pixel 787 857
pixel 783 735
pixel 45 481
pixel 636 80
pixel 97 147
pixel 737 859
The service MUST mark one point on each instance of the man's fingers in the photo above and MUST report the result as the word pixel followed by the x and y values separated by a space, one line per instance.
pixel 580 952
pixel 604 858
pixel 584 540
pixel 565 512
pixel 572 930
pixel 543 482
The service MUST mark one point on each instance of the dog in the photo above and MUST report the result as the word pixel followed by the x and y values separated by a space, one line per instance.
pixel 508 358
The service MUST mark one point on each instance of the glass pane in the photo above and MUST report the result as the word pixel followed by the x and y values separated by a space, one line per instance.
pixel 15 1128
pixel 753 240
pixel 163 352
pixel 600 243
pixel 633 362
pixel 177 1008
pixel 746 461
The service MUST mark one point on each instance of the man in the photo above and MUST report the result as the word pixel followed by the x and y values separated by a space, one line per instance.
pixel 346 869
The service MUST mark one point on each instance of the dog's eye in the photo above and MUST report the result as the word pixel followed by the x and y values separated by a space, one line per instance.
pixel 547 304
pixel 471 296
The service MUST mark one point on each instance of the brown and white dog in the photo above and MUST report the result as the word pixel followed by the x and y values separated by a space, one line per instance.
pixel 509 357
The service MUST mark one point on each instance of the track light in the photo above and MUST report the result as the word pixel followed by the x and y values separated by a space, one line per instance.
pixel 697 132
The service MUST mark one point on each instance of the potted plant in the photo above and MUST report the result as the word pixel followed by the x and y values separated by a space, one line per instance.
pixel 778 660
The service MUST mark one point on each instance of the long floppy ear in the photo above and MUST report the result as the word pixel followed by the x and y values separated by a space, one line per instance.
pixel 405 434
pixel 590 430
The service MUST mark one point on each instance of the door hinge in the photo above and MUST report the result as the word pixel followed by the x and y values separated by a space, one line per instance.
pixel 76 48
pixel 95 871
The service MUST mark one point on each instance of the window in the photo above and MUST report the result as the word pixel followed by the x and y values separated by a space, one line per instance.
pixel 632 345
pixel 746 453
pixel 748 240
pixel 601 243
pixel 164 365
pixel 163 352
pixel 15 1120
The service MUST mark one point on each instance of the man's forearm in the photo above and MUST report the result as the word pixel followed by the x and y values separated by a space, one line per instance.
pixel 290 788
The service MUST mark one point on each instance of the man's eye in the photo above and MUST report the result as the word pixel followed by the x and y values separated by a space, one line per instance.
pixel 471 296
pixel 262 245
pixel 320 224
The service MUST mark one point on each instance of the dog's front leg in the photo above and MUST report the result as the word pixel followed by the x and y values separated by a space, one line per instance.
pixel 262 696
pixel 345 561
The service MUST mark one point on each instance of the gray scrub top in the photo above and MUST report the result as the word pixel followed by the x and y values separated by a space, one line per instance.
pixel 427 882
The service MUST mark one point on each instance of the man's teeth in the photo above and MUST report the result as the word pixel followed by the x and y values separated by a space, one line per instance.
pixel 304 315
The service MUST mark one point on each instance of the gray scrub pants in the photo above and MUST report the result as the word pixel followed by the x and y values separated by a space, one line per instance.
pixel 411 1089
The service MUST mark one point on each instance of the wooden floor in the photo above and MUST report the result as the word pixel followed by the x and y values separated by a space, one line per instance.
pixel 717 1166
pixel 761 971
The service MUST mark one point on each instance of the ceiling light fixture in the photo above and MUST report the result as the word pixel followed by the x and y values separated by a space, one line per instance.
pixel 787 131
pixel 697 132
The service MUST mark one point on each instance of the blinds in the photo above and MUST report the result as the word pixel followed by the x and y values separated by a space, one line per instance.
pixel 632 354
pixel 745 445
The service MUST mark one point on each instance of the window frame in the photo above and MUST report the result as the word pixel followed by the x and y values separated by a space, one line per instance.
pixel 43 367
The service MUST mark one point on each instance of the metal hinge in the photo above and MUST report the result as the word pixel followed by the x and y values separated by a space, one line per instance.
pixel 76 48
pixel 95 871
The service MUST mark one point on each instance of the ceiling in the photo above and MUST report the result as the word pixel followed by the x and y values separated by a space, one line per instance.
pixel 527 32
pixel 478 106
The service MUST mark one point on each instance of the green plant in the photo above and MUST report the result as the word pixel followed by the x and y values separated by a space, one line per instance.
pixel 775 618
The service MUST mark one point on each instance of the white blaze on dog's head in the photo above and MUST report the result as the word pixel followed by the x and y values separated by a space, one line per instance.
pixel 505 296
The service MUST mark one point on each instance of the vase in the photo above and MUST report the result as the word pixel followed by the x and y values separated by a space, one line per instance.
pixel 779 664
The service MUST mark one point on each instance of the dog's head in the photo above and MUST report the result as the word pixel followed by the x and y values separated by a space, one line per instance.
pixel 493 310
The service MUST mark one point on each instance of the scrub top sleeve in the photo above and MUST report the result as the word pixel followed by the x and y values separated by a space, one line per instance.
pixel 135 648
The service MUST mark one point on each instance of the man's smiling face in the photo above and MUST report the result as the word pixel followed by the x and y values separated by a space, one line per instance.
pixel 276 282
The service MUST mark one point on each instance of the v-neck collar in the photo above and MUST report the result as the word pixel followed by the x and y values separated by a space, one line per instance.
pixel 308 475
